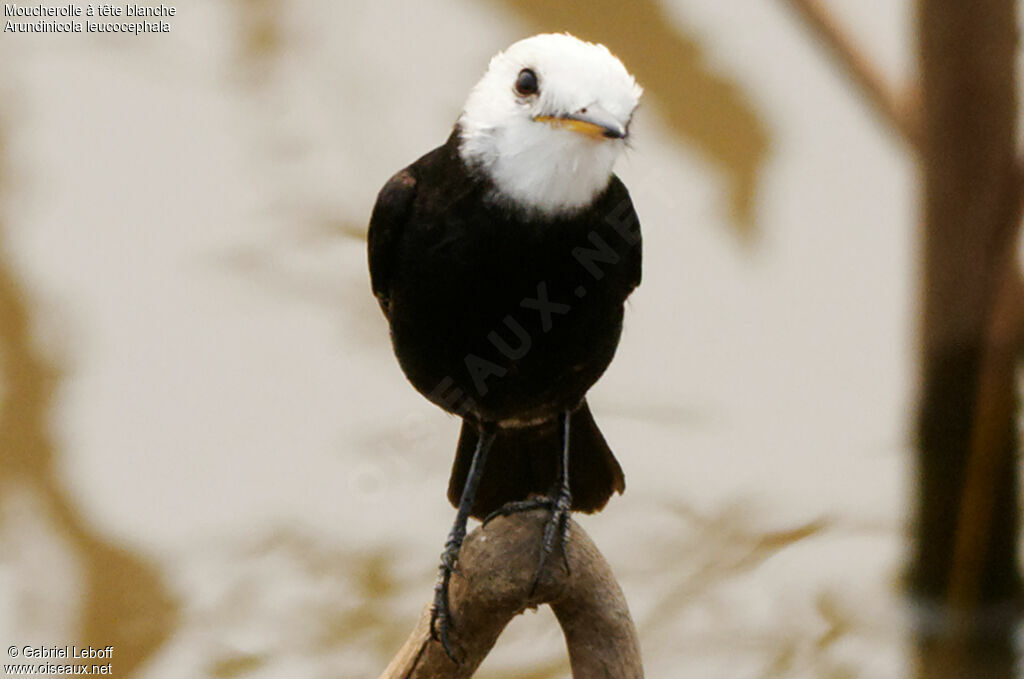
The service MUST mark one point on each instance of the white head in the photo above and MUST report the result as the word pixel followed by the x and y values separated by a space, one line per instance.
pixel 547 121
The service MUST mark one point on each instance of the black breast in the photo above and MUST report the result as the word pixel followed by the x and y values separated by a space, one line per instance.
pixel 502 314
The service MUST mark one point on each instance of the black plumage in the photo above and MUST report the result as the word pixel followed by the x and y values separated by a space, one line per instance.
pixel 506 317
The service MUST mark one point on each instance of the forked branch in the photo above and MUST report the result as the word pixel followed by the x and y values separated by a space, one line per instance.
pixel 496 571
pixel 898 109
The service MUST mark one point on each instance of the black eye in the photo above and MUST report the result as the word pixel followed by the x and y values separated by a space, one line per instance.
pixel 526 82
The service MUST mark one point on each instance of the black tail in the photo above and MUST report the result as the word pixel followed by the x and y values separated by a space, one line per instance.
pixel 525 461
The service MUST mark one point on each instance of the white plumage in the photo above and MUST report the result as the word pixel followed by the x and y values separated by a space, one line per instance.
pixel 536 163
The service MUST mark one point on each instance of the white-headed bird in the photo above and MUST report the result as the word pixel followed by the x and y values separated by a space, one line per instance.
pixel 502 260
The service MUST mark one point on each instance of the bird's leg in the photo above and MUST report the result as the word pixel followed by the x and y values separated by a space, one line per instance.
pixel 560 503
pixel 440 613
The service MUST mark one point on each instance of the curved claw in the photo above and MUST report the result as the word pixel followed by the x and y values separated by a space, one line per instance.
pixel 440 615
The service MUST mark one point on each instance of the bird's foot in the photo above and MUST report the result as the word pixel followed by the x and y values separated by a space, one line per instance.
pixel 556 531
pixel 520 506
pixel 556 528
pixel 440 611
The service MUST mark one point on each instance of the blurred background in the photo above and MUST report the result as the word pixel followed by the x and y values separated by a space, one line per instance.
pixel 210 458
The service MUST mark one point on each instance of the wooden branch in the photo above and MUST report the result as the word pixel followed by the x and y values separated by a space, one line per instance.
pixel 968 518
pixel 995 405
pixel 900 111
pixel 497 567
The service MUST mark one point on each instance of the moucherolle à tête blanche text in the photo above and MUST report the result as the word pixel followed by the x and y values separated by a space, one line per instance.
pixel 48 19
pixel 92 9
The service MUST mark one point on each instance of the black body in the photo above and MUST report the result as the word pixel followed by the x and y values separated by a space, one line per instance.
pixel 505 317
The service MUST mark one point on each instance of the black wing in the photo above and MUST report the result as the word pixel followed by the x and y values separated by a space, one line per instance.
pixel 390 214
pixel 620 215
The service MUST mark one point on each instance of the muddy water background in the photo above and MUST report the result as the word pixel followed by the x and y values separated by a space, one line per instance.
pixel 210 459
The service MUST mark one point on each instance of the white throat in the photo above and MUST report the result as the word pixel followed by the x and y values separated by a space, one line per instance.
pixel 539 168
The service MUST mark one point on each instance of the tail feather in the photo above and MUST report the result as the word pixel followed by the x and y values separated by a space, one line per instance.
pixel 525 461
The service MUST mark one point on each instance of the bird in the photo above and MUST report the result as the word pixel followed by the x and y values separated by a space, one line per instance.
pixel 502 261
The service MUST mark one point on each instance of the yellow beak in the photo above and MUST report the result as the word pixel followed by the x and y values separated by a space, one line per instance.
pixel 592 121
